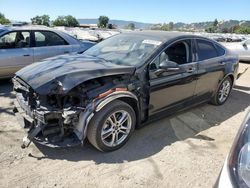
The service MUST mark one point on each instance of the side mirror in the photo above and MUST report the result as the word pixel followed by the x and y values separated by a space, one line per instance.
pixel 169 66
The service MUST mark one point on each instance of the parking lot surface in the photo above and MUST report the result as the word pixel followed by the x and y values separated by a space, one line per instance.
pixel 184 150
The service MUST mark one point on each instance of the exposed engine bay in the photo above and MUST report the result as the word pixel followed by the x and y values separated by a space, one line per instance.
pixel 60 119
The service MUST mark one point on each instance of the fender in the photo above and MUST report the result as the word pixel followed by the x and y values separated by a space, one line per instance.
pixel 220 81
pixel 95 106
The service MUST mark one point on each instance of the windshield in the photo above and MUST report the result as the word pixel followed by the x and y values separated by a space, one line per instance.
pixel 124 49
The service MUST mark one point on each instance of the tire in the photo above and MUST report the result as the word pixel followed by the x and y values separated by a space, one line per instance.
pixel 224 89
pixel 104 130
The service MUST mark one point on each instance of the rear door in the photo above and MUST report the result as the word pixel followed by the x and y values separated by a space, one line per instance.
pixel 48 44
pixel 15 52
pixel 211 67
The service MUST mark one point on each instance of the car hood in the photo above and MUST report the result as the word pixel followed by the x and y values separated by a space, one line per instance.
pixel 69 71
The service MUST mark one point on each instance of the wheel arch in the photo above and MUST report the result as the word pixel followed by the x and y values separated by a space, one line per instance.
pixel 97 105
pixel 134 104
pixel 231 76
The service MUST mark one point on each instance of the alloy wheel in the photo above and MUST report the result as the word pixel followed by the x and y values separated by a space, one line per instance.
pixel 224 91
pixel 116 128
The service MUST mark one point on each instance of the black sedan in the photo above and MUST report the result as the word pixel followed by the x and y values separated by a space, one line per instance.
pixel 119 85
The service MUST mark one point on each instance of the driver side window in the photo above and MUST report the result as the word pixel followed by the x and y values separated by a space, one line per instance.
pixel 179 52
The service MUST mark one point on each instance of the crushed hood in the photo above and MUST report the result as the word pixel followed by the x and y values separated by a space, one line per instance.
pixel 70 70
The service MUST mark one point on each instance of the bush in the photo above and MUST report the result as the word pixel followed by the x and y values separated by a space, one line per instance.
pixel 103 21
pixel 3 20
pixel 68 21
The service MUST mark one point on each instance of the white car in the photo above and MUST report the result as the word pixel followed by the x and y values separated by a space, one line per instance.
pixel 236 170
pixel 240 48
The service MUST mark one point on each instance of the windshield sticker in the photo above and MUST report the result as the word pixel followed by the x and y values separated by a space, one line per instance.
pixel 153 42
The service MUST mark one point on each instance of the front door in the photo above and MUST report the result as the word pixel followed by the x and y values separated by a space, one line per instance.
pixel 172 87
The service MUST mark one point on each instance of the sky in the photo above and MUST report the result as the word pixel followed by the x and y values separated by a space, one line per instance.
pixel 148 11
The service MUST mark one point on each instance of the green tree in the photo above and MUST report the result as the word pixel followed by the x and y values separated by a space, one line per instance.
pixel 41 20
pixel 60 21
pixel 171 26
pixel 103 21
pixel 131 26
pixel 71 21
pixel 243 30
pixel 215 24
pixel 3 20
pixel 213 28
pixel 210 29
pixel 68 21
pixel 165 27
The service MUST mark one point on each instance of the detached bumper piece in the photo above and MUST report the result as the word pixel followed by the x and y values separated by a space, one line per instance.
pixel 43 127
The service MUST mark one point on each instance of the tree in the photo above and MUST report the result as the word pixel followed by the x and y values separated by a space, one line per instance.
pixel 242 30
pixel 60 21
pixel 68 21
pixel 165 27
pixel 215 24
pixel 103 21
pixel 210 29
pixel 41 20
pixel 171 26
pixel 71 21
pixel 131 26
pixel 3 20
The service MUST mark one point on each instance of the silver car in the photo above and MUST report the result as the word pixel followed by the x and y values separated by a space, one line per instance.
pixel 240 48
pixel 20 46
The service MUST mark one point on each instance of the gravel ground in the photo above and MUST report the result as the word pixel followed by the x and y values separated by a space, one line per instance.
pixel 184 150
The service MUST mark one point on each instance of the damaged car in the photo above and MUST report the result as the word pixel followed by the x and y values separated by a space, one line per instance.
pixel 118 85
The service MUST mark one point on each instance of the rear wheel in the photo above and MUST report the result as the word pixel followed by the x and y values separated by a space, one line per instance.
pixel 223 92
pixel 112 126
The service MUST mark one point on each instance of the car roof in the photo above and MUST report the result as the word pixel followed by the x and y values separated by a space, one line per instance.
pixel 33 27
pixel 164 35
pixel 66 36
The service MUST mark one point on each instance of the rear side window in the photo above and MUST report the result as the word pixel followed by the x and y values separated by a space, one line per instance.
pixel 206 50
pixel 220 50
pixel 48 38
pixel 17 39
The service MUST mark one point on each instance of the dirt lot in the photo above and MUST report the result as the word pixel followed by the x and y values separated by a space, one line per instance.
pixel 185 150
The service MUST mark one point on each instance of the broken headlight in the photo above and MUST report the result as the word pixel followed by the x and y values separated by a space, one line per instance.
pixel 239 158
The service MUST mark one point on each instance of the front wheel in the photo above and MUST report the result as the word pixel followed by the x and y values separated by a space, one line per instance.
pixel 223 92
pixel 111 127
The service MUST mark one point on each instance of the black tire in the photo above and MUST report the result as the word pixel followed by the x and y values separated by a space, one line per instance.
pixel 96 125
pixel 216 98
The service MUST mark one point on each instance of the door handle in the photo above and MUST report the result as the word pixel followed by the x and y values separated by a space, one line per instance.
pixel 190 70
pixel 66 52
pixel 222 63
pixel 26 55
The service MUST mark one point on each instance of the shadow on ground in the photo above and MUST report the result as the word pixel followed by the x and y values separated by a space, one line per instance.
pixel 5 93
pixel 152 138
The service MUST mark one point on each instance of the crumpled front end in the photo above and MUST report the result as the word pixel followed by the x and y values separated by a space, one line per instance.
pixel 60 119
pixel 46 122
